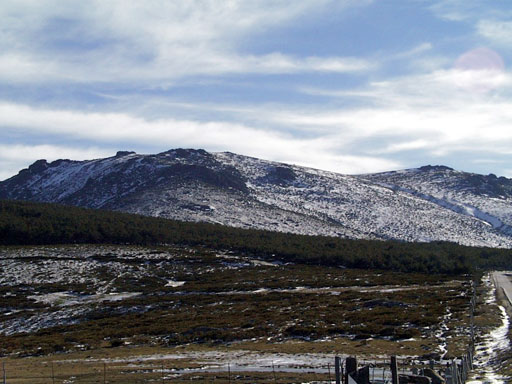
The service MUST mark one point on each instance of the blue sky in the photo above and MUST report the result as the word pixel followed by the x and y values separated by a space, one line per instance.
pixel 351 86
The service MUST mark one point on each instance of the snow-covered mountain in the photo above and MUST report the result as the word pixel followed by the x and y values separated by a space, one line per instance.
pixel 424 204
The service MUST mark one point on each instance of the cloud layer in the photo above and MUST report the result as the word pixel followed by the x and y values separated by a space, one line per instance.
pixel 323 83
pixel 150 42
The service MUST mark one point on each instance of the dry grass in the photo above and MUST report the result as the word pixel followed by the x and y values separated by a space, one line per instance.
pixel 340 311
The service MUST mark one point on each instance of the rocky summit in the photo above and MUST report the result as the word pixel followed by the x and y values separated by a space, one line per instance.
pixel 431 203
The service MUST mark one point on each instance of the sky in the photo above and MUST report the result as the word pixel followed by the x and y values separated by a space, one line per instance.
pixel 351 86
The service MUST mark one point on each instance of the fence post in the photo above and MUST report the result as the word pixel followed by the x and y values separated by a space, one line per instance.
pixel 455 372
pixel 337 364
pixel 53 374
pixel 350 367
pixel 104 373
pixel 4 374
pixel 448 374
pixel 394 370
pixel 464 369
pixel 363 375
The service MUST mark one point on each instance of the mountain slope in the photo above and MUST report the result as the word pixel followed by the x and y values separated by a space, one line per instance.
pixel 486 198
pixel 425 204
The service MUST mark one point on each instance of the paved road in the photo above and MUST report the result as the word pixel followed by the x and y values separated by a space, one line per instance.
pixel 503 280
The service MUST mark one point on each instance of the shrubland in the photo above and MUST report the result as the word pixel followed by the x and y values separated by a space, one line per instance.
pixel 27 223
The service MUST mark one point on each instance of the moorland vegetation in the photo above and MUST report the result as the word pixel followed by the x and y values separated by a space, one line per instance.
pixel 28 223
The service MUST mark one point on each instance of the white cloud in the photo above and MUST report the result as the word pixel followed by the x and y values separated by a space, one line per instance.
pixel 156 43
pixel 151 41
pixel 111 129
pixel 414 51
pixel 26 69
pixel 453 10
pixel 445 86
pixel 404 146
pixel 438 114
pixel 499 32
pixel 444 113
pixel 463 10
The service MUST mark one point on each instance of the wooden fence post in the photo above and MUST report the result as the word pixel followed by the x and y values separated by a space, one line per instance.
pixel 350 367
pixel 464 369
pixel 337 364
pixel 4 373
pixel 455 373
pixel 394 370
pixel 448 374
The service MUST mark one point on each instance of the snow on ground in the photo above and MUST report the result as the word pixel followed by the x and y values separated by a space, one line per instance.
pixel 440 334
pixel 244 361
pixel 32 321
pixel 174 283
pixel 378 205
pixel 70 298
pixel 486 361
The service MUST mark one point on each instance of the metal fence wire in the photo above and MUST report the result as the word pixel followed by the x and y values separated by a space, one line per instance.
pixel 144 372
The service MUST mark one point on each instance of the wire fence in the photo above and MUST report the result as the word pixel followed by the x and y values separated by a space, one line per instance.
pixel 163 372
pixel 166 372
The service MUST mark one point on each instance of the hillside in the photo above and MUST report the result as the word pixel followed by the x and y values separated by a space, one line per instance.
pixel 27 223
pixel 424 204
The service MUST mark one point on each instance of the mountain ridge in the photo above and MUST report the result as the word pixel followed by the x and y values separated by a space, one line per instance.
pixel 429 203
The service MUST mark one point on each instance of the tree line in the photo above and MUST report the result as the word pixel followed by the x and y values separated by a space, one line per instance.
pixel 29 223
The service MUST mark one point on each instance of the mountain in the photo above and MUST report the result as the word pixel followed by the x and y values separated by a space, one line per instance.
pixel 425 204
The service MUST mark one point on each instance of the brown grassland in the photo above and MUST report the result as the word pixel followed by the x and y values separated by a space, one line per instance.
pixel 226 303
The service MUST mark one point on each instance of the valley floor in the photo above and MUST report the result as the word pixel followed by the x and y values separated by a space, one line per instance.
pixel 177 313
